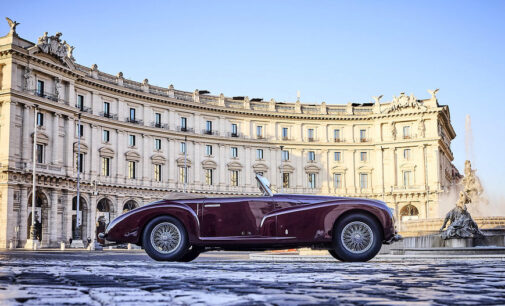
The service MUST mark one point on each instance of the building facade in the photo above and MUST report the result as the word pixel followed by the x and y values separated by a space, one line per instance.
pixel 139 142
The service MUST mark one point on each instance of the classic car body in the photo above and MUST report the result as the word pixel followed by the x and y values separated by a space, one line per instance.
pixel 254 223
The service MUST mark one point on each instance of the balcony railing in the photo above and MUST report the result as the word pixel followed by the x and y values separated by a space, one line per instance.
pixel 285 138
pixel 159 125
pixel 52 97
pixel 134 121
pixel 184 129
pixel 236 135
pixel 83 108
pixel 364 140
pixel 108 115
pixel 337 139
pixel 260 137
pixel 406 137
pixel 210 132
pixel 312 139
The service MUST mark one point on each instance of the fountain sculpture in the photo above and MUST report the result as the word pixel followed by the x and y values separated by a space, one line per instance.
pixel 462 225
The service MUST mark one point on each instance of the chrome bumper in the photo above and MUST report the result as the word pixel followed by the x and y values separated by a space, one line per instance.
pixel 395 238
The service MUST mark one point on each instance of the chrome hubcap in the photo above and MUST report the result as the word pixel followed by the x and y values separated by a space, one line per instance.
pixel 357 237
pixel 165 237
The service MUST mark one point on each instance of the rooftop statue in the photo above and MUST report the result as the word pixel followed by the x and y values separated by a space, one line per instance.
pixel 462 225
pixel 53 45
pixel 12 25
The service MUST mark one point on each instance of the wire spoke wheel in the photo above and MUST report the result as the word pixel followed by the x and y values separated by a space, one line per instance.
pixel 357 237
pixel 165 237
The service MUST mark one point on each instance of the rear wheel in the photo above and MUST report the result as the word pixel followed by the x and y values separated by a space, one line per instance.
pixel 191 254
pixel 165 239
pixel 357 237
pixel 334 254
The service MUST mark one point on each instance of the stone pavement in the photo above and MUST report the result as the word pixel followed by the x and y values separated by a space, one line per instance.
pixel 229 278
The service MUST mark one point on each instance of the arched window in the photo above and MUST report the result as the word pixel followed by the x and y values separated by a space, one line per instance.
pixel 129 206
pixel 409 212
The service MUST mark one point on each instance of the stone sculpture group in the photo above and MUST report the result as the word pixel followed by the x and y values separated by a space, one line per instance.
pixel 461 223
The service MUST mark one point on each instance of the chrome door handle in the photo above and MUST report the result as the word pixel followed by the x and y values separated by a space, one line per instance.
pixel 212 205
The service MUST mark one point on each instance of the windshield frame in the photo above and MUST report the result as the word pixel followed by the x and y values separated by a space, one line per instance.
pixel 264 185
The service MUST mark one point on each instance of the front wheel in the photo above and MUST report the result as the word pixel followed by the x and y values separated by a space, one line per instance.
pixel 191 254
pixel 357 237
pixel 165 239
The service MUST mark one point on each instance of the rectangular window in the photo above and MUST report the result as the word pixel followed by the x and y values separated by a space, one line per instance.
pixel 336 135
pixel 132 114
pixel 362 135
pixel 157 119
pixel 209 177
pixel 106 136
pixel 362 156
pixel 79 130
pixel 363 180
pixel 208 150
pixel 105 166
pixel 312 180
pixel 337 156
pixel 234 130
pixel 184 124
pixel 183 147
pixel 259 131
pixel 79 162
pixel 310 134
pixel 157 173
pixel 131 140
pixel 285 133
pixel 406 154
pixel 132 169
pixel 234 152
pixel 40 153
pixel 259 153
pixel 407 175
pixel 157 144
pixel 285 155
pixel 312 156
pixel 183 174
pixel 80 102
pixel 285 180
pixel 40 119
pixel 106 109
pixel 406 132
pixel 337 180
pixel 208 127
pixel 40 88
pixel 234 177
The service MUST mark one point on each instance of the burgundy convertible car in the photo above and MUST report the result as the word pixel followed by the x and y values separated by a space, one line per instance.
pixel 351 229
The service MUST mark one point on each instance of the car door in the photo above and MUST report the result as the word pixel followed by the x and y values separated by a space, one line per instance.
pixel 234 217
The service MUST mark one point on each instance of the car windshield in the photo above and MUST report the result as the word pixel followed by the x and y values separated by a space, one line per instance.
pixel 264 185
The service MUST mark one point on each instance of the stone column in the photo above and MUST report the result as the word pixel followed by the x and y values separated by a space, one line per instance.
pixel 69 144
pixel 52 218
pixel 92 213
pixel 94 143
pixel 248 166
pixel 120 158
pixel 222 165
pixel 57 150
pixel 68 216
pixel 146 165
pixel 27 129
pixel 299 172
pixel 197 167
pixel 325 173
pixel 274 170
pixel 71 93
pixel 23 224
pixel 172 168
pixel 353 172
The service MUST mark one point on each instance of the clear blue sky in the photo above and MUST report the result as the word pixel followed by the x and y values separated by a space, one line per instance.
pixel 331 51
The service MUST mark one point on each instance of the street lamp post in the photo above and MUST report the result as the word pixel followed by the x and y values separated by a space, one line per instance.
pixel 32 243
pixel 77 239
pixel 282 171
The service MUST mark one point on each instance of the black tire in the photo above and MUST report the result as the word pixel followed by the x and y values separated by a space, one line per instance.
pixel 191 254
pixel 368 226
pixel 334 254
pixel 171 255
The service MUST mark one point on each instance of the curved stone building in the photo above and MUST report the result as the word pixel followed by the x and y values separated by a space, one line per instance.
pixel 139 142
